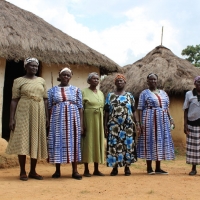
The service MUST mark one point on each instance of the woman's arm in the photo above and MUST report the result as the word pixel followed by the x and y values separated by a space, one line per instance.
pixel 13 107
pixel 170 118
pixel 106 117
pixel 185 122
pixel 46 112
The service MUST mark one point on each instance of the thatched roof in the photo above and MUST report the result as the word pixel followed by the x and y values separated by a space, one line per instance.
pixel 175 75
pixel 24 34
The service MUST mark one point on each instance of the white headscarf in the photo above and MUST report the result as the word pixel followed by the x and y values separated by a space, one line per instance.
pixel 28 60
pixel 66 69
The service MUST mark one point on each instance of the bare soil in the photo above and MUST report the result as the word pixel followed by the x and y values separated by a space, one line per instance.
pixel 177 185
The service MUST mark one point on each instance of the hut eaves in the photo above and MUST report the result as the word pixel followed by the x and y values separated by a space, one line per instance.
pixel 24 34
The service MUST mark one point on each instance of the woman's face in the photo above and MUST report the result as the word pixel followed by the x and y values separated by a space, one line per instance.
pixel 94 81
pixel 152 81
pixel 120 83
pixel 197 84
pixel 31 68
pixel 65 77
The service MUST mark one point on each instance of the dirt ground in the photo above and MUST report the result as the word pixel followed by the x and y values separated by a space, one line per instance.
pixel 177 185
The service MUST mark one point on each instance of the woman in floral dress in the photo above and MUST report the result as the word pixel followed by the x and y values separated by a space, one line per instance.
pixel 119 128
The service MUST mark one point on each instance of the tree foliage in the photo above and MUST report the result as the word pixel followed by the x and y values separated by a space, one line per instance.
pixel 193 53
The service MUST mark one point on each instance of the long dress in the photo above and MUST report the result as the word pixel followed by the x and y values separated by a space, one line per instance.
pixel 29 136
pixel 64 139
pixel 121 149
pixel 155 143
pixel 93 142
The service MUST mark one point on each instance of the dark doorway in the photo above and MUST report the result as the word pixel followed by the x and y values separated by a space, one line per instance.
pixel 13 70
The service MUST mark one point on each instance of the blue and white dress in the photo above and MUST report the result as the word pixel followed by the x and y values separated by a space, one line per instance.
pixel 121 149
pixel 64 144
pixel 155 143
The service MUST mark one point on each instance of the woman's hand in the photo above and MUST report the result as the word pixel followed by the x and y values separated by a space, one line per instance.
pixel 186 129
pixel 47 123
pixel 106 131
pixel 138 129
pixel 83 134
pixel 12 124
pixel 172 123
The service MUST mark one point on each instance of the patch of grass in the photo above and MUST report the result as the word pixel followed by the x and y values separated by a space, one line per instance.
pixel 84 192
pixel 150 192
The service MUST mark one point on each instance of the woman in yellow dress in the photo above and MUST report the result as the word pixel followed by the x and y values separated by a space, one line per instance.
pixel 28 119
pixel 93 140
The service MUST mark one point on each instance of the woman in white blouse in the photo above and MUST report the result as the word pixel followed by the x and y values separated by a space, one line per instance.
pixel 192 126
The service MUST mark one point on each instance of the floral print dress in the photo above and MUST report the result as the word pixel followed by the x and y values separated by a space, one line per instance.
pixel 121 149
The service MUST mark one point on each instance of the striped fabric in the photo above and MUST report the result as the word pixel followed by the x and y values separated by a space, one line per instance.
pixel 65 132
pixel 193 145
pixel 155 143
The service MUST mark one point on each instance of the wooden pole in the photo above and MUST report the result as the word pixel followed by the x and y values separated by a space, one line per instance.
pixel 51 79
pixel 162 36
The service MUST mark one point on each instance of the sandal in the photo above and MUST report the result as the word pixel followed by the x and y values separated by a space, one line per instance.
pixel 35 176
pixel 127 171
pixel 98 173
pixel 76 176
pixel 23 177
pixel 114 172
pixel 56 175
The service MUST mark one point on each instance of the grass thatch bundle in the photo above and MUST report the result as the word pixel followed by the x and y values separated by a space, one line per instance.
pixel 175 75
pixel 24 34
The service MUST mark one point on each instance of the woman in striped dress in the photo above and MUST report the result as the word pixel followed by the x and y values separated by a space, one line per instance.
pixel 155 142
pixel 65 106
pixel 192 125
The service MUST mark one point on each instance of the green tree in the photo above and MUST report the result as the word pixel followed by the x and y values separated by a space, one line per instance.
pixel 193 53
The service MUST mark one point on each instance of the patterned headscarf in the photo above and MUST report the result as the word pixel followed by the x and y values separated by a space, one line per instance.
pixel 120 76
pixel 91 75
pixel 65 69
pixel 196 78
pixel 29 60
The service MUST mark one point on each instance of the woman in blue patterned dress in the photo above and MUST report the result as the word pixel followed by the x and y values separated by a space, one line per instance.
pixel 155 142
pixel 66 126
pixel 119 128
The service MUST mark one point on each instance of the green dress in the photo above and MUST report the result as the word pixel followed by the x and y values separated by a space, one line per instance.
pixel 93 142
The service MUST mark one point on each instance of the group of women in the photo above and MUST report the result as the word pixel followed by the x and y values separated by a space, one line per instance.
pixel 77 121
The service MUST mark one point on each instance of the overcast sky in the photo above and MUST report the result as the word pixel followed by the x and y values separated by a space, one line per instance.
pixel 123 30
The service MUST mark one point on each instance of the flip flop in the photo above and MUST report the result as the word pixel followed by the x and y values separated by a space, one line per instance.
pixel 35 176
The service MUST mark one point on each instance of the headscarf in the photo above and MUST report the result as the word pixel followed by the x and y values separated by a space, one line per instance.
pixel 91 75
pixel 120 76
pixel 152 74
pixel 29 60
pixel 65 69
pixel 196 78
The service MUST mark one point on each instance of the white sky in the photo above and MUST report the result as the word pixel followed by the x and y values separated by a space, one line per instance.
pixel 123 30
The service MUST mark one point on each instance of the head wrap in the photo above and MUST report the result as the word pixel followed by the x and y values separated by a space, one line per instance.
pixel 91 75
pixel 120 76
pixel 152 74
pixel 29 60
pixel 65 69
pixel 196 78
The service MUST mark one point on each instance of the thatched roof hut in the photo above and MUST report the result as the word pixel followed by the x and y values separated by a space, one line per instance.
pixel 24 34
pixel 175 76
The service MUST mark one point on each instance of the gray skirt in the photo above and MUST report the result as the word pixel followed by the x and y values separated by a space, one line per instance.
pixel 193 145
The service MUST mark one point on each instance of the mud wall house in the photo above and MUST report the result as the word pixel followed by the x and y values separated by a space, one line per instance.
pixel 175 76
pixel 23 34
